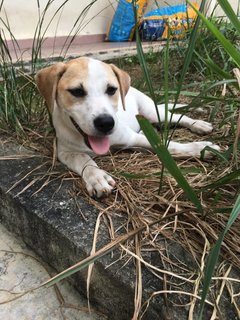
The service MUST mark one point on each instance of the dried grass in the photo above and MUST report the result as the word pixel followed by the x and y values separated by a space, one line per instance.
pixel 140 203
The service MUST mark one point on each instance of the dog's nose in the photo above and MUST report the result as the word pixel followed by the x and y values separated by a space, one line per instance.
pixel 104 123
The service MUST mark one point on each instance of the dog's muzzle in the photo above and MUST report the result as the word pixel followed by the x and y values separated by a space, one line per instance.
pixel 104 123
pixel 98 144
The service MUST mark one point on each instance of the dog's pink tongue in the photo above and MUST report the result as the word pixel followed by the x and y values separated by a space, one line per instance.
pixel 100 145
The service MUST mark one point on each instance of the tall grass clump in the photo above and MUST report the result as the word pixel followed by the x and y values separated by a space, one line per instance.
pixel 217 61
pixel 20 104
pixel 17 92
pixel 233 54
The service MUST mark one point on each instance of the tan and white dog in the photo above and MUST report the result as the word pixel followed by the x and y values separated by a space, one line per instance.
pixel 94 108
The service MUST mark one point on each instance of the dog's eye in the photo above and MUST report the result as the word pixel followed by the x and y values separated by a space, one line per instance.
pixel 111 90
pixel 78 92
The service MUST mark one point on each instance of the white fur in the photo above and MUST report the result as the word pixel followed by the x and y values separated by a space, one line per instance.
pixel 72 150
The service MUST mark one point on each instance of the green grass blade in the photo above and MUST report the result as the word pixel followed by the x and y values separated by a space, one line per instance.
pixel 219 154
pixel 214 67
pixel 219 71
pixel 143 61
pixel 188 57
pixel 224 155
pixel 227 45
pixel 189 53
pixel 224 180
pixel 102 252
pixel 230 14
pixel 166 87
pixel 222 210
pixel 144 66
pixel 214 254
pixel 137 176
pixel 198 95
pixel 167 160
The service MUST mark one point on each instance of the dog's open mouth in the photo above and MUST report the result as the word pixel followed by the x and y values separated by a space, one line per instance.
pixel 99 145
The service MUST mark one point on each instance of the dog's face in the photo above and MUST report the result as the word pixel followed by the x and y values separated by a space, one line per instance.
pixel 88 91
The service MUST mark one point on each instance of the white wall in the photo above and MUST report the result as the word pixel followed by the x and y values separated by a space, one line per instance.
pixel 212 6
pixel 23 16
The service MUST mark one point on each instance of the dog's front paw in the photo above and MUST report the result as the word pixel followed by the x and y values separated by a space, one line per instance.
pixel 201 127
pixel 98 182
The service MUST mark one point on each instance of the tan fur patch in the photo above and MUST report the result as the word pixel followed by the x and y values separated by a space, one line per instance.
pixel 76 75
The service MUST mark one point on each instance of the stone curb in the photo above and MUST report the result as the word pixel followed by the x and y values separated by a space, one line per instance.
pixel 51 225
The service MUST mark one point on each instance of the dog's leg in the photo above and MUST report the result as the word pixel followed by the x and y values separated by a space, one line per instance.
pixel 128 138
pixel 148 110
pixel 198 126
pixel 98 182
pixel 191 149
pixel 125 137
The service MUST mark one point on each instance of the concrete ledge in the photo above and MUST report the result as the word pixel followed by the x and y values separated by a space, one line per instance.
pixel 55 49
pixel 50 42
pixel 50 223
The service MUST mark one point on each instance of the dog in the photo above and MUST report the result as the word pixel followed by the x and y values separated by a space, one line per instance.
pixel 94 108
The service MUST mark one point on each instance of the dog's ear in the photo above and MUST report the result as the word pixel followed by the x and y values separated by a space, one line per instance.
pixel 47 81
pixel 124 82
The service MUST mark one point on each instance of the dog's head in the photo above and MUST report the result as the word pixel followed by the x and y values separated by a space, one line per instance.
pixel 88 91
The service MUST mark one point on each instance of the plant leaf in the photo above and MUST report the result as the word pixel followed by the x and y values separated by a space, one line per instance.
pixel 229 48
pixel 214 254
pixel 230 14
pixel 137 176
pixel 224 180
pixel 143 61
pixel 167 160
pixel 103 251
pixel 220 155
pixel 189 53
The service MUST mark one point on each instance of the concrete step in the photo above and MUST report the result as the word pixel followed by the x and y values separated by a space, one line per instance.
pixel 20 270
pixel 50 223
